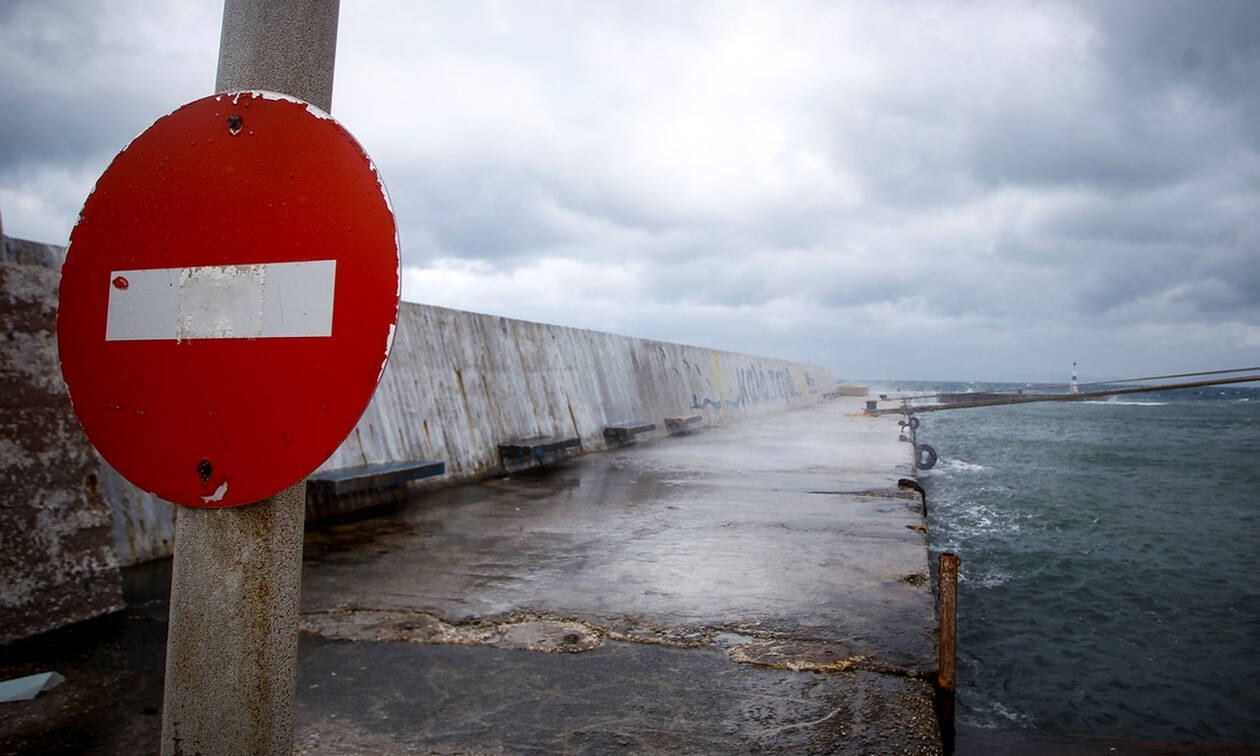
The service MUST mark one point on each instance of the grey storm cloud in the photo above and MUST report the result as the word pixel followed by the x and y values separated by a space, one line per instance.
pixel 39 129
pixel 76 83
pixel 1000 188
pixel 1110 154
pixel 479 211
pixel 1212 47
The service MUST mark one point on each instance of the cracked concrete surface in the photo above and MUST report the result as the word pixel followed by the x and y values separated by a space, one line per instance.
pixel 619 698
pixel 755 587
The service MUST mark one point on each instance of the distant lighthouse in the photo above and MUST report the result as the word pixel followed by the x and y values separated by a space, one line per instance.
pixel 1076 385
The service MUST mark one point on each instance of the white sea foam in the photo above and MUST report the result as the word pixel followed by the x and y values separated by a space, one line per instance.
pixel 961 466
pixel 980 520
pixel 1000 715
pixel 991 579
pixel 1127 403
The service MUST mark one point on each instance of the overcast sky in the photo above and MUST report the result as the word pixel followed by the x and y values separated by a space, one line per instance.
pixel 896 190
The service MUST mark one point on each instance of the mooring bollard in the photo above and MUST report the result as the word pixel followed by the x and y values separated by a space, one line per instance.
pixel 947 648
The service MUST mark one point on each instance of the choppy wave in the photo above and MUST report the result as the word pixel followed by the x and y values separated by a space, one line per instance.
pixel 979 519
pixel 961 466
pixel 1067 522
pixel 982 578
pixel 995 715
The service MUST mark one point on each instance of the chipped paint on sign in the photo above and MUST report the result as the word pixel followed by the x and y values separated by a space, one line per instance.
pixel 271 300
pixel 389 348
pixel 265 94
pixel 218 494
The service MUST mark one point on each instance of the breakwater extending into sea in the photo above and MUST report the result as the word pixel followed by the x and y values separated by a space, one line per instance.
pixel 1108 551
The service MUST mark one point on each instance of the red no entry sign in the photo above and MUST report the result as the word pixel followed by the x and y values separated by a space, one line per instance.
pixel 228 299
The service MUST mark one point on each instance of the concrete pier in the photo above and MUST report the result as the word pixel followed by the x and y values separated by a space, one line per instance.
pixel 458 385
pixel 757 586
pixel 763 585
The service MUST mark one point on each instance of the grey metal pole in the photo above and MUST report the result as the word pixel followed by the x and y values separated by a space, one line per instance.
pixel 284 46
pixel 231 652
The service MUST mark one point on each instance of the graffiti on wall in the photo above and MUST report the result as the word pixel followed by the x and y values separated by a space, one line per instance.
pixel 757 385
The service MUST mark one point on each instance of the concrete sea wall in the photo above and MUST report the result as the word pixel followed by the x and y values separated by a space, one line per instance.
pixel 460 383
pixel 58 563
pixel 456 386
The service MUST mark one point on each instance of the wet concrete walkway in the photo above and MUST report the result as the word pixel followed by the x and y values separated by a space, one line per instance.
pixel 760 586
pixel 757 587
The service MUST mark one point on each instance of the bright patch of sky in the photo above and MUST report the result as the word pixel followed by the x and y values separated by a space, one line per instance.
pixel 987 190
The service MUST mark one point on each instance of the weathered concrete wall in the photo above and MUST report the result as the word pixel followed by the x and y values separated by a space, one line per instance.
pixel 57 559
pixel 144 525
pixel 459 383
pixel 27 252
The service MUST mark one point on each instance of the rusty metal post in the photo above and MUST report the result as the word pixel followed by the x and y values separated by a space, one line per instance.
pixel 231 653
pixel 947 648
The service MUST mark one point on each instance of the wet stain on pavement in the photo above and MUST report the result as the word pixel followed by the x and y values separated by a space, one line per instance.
pixel 799 656
pixel 528 633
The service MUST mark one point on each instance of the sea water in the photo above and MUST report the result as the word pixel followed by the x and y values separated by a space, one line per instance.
pixel 1109 563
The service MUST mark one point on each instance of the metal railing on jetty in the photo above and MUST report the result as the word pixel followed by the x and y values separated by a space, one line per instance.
pixel 906 406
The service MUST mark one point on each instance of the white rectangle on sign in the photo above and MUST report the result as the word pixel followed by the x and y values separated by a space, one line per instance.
pixel 268 300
